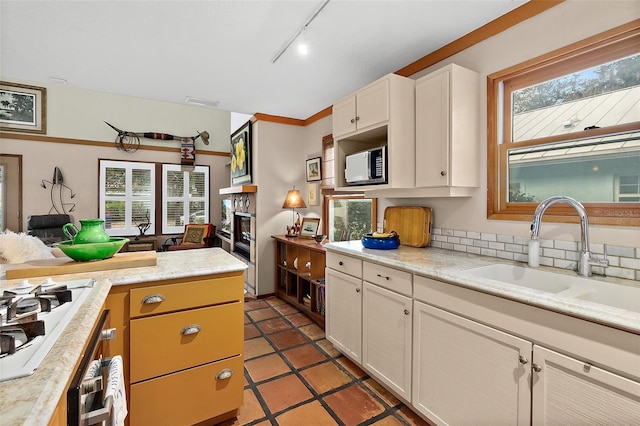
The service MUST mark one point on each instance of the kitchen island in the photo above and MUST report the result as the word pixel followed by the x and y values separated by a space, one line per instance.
pixel 36 399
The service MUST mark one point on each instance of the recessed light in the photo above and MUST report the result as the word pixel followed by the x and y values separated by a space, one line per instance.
pixel 201 102
pixel 59 80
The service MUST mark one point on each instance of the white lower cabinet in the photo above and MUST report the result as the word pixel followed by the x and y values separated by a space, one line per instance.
pixel 343 315
pixel 571 392
pixel 465 372
pixel 386 337
pixel 459 356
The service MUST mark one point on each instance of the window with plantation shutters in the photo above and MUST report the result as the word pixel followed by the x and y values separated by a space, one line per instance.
pixel 185 197
pixel 127 196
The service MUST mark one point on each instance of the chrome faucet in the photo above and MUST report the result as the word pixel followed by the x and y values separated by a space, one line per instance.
pixel 586 260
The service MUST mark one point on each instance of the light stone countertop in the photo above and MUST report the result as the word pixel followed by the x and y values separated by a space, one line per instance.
pixel 448 266
pixel 32 400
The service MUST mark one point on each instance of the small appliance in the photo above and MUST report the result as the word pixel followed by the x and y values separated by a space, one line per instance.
pixel 366 167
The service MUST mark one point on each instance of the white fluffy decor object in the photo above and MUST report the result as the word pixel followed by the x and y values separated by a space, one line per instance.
pixel 20 248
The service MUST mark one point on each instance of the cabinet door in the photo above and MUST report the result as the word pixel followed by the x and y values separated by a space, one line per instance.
pixel 386 337
pixel 468 373
pixel 570 392
pixel 344 117
pixel 372 105
pixel 432 130
pixel 343 319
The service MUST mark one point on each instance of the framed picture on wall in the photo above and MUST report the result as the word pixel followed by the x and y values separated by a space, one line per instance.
pixel 314 169
pixel 241 155
pixel 23 108
pixel 312 194
pixel 309 227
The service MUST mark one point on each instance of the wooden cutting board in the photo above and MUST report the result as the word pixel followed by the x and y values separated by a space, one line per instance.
pixel 66 265
pixel 413 224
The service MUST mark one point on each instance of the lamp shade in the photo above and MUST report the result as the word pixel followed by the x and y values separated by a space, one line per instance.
pixel 294 200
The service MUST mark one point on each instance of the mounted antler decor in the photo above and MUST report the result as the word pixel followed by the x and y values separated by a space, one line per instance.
pixel 58 181
pixel 130 141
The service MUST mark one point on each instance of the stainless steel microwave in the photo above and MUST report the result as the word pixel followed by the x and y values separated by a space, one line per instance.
pixel 366 167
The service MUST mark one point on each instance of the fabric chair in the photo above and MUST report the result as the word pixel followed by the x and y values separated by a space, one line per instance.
pixel 195 236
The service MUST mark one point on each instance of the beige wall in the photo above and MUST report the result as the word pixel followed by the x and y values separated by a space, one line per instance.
pixel 559 26
pixel 79 114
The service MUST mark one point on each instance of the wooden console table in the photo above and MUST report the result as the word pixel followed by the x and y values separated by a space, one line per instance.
pixel 141 244
pixel 299 278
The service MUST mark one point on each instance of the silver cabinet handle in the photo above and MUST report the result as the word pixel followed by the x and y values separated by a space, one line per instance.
pixel 357 118
pixel 190 329
pixel 108 334
pixel 353 120
pixel 536 368
pixel 522 359
pixel 357 290
pixel 382 276
pixel 224 374
pixel 340 263
pixel 406 312
pixel 152 299
pixel 443 173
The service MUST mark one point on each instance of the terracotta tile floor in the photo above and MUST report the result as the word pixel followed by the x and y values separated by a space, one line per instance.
pixel 294 376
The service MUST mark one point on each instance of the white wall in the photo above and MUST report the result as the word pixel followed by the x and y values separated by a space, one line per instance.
pixel 557 27
pixel 79 114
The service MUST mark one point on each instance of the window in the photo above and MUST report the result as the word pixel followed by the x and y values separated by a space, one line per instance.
pixel 628 189
pixel 349 217
pixel 568 123
pixel 185 197
pixel 127 196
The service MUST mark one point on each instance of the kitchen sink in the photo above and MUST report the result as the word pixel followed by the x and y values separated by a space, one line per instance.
pixel 574 287
pixel 524 277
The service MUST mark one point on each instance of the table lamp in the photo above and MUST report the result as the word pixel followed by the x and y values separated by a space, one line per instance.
pixel 293 201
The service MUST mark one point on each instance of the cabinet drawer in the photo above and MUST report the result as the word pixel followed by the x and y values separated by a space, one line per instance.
pixel 346 264
pixel 392 279
pixel 162 345
pixel 176 297
pixel 188 397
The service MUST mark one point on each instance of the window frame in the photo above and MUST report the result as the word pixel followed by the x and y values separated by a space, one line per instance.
pixel 127 198
pixel 166 229
pixel 615 43
pixel 329 195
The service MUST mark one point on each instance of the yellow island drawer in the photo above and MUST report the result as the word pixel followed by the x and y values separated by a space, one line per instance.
pixel 176 297
pixel 188 397
pixel 166 343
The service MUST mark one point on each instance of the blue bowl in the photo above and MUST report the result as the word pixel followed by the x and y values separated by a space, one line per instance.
pixel 388 243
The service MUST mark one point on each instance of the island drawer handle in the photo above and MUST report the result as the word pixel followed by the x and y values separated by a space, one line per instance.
pixel 224 374
pixel 152 299
pixel 190 329
pixel 382 276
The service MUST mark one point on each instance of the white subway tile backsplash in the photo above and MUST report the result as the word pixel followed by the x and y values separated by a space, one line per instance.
pixel 488 252
pixel 505 238
pixel 488 237
pixel 474 235
pixel 624 262
pixel 566 245
pixel 620 251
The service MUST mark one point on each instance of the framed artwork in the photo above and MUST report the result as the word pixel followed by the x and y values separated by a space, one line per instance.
pixel 309 227
pixel 314 169
pixel 23 108
pixel 312 194
pixel 241 155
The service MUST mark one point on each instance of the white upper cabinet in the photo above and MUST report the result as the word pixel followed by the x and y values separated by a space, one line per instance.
pixel 380 114
pixel 448 131
pixel 361 110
